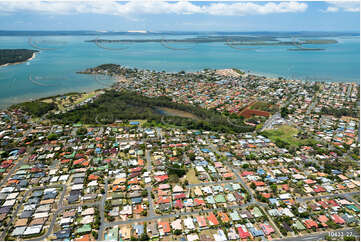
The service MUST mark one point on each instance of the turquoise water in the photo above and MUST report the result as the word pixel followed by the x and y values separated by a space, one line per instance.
pixel 53 71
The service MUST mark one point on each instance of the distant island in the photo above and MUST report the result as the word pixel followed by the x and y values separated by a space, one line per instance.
pixel 15 56
pixel 236 40
pixel 231 41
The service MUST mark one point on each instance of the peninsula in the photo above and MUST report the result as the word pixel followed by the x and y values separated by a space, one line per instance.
pixel 16 56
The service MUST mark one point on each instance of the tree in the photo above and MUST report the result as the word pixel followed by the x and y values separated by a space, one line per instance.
pixel 245 166
pixel 253 186
pixel 52 136
pixel 349 238
pixel 274 188
pixel 284 112
pixel 144 237
pixel 81 131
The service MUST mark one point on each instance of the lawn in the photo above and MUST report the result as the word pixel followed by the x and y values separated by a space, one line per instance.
pixel 191 177
pixel 285 133
pixel 208 232
pixel 285 136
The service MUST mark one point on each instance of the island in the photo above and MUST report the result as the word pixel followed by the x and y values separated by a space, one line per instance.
pixel 15 56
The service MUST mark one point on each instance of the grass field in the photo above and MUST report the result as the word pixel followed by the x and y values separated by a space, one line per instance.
pixel 285 134
pixel 77 98
pixel 191 177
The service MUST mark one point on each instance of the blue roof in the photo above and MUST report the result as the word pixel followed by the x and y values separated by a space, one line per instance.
pixel 273 200
pixel 137 200
pixel 228 154
pixel 282 178
pixel 336 172
pixel 201 163
pixel 261 171
pixel 205 150
pixel 256 233
pixel 134 123
pixel 14 152
pixel 139 228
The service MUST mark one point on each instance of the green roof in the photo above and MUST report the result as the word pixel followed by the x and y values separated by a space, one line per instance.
pixel 299 225
pixel 257 212
pixel 353 207
pixel 228 186
pixel 112 234
pixel 234 216
pixel 24 167
pixel 84 229
pixel 103 167
pixel 116 202
pixel 220 199
pixel 210 200
pixel 117 195
pixel 70 156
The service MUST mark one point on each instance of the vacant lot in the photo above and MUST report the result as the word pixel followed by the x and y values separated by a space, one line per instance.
pixel 191 177
pixel 284 133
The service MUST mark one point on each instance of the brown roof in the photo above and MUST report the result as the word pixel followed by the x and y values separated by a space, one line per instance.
pixel 3 216
pixel 38 221
pixel 21 222
pixel 47 201
pixel 70 213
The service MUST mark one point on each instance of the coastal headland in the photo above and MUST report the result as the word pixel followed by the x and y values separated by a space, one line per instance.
pixel 16 56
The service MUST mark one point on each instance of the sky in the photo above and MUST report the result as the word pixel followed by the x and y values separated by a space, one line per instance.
pixel 157 15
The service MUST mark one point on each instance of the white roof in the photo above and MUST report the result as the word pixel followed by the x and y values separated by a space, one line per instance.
pixel 192 237
pixel 177 224
pixel 9 202
pixel 87 219
pixel 29 207
pixel 7 189
pixel 18 231
pixel 63 177
pixel 188 222
pixel 41 215
pixel 88 211
pixel 285 196
pixel 66 220
pixel 92 184
pixel 33 230
pixel 12 195
pixel 54 179
pixel 77 187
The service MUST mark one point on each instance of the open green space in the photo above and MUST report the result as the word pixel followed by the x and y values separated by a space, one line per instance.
pixel 113 105
pixel 286 136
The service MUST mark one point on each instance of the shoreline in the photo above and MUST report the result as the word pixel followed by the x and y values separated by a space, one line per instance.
pixel 121 79
pixel 20 62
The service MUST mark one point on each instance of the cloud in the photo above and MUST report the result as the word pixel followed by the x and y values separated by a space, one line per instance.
pixel 346 6
pixel 331 9
pixel 137 7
